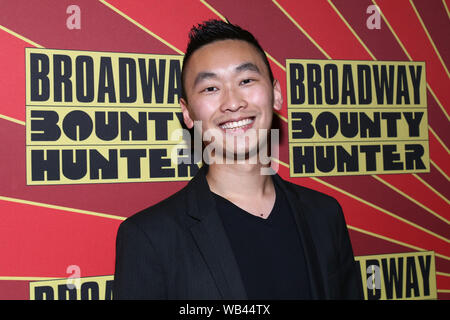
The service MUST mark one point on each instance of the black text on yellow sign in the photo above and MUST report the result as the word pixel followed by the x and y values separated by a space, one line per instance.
pixel 87 78
pixel 341 83
pixel 357 158
pixel 101 117
pixel 108 164
pixel 87 288
pixel 357 117
pixel 403 276
pixel 99 126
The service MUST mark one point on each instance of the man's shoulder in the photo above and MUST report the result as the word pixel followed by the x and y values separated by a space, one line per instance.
pixel 322 212
pixel 166 211
pixel 310 196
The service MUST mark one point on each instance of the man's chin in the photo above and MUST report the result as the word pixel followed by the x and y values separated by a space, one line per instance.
pixel 238 155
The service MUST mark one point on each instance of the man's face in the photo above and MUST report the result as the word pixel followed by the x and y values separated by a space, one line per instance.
pixel 228 88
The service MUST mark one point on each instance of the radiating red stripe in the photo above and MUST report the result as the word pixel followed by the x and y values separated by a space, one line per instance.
pixel 406 25
pixel 442 265
pixel 442 282
pixel 364 244
pixel 12 83
pixel 437 22
pixel 379 194
pixel 333 36
pixel 437 181
pixel 419 192
pixel 381 42
pixel 277 35
pixel 443 296
pixel 437 120
pixel 50 240
pixel 438 154
pixel 164 18
pixel 101 28
pixel 14 290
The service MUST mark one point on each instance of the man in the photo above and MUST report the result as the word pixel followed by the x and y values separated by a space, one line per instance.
pixel 233 232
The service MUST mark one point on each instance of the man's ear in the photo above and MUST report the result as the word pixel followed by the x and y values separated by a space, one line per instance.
pixel 186 116
pixel 277 96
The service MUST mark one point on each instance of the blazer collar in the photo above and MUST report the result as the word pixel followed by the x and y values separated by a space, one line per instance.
pixel 309 249
pixel 210 236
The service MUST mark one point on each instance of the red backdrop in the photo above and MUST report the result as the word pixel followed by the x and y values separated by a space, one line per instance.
pixel 44 229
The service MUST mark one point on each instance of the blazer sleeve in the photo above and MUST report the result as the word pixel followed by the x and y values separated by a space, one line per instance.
pixel 349 272
pixel 138 271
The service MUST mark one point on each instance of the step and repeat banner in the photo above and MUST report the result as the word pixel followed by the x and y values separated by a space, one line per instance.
pixel 91 130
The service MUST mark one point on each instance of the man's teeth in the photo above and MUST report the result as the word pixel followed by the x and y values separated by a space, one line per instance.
pixel 236 124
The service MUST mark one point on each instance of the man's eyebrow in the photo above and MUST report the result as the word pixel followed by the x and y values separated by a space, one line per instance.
pixel 247 66
pixel 203 76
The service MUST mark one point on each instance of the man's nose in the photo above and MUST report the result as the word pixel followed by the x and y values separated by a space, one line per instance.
pixel 233 101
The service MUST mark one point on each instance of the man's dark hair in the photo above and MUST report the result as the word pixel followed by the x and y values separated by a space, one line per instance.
pixel 216 30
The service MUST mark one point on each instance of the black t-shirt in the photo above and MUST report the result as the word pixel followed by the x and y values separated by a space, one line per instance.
pixel 268 251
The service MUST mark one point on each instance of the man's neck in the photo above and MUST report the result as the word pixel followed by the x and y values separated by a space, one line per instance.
pixel 239 181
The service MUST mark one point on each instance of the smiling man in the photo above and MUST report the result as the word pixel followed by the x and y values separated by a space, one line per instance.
pixel 233 232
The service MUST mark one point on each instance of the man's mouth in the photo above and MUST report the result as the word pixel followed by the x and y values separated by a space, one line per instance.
pixel 240 124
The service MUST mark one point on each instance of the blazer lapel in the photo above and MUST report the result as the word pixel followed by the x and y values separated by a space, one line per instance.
pixel 312 261
pixel 211 238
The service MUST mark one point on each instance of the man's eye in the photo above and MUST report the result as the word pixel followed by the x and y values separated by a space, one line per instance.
pixel 246 81
pixel 210 89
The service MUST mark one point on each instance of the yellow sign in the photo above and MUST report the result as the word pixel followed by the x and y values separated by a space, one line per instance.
pixel 88 288
pixel 67 126
pixel 357 117
pixel 87 78
pixel 361 84
pixel 405 276
pixel 103 117
pixel 108 164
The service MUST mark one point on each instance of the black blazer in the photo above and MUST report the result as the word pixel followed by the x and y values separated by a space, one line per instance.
pixel 178 248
